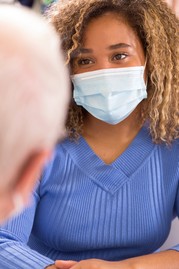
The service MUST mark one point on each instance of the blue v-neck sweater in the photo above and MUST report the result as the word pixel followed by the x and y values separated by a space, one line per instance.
pixel 83 208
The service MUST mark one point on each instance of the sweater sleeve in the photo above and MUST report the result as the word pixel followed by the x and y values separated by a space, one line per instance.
pixel 177 209
pixel 14 235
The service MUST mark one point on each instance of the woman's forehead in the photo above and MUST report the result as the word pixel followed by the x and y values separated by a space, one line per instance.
pixel 108 29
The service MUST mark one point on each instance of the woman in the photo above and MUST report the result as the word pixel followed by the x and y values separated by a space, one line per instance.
pixel 108 196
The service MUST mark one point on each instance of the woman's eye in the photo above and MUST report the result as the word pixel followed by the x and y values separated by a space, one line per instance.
pixel 84 61
pixel 119 56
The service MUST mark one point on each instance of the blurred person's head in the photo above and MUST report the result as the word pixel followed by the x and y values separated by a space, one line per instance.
pixel 33 102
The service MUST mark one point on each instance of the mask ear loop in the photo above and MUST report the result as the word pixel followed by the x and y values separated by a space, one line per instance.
pixel 145 65
pixel 146 83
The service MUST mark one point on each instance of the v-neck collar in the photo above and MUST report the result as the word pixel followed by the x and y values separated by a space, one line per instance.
pixel 112 176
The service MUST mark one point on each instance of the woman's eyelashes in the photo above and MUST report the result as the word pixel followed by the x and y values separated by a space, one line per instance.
pixel 119 57
pixel 85 62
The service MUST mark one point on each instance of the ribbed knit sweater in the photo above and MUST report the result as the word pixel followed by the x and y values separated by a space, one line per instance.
pixel 83 208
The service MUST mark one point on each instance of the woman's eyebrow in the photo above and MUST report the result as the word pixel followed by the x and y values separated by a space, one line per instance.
pixel 76 53
pixel 84 50
pixel 119 46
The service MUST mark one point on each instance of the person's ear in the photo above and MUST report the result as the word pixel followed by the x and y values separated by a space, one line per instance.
pixel 30 173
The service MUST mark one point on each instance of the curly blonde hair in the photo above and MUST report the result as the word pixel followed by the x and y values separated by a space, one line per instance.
pixel 157 28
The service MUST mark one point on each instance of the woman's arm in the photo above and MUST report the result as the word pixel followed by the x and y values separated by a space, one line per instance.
pixel 163 260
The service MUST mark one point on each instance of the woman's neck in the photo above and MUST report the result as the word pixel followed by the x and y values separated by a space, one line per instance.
pixel 98 129
pixel 109 141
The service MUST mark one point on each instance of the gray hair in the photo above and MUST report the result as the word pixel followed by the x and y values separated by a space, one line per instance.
pixel 34 88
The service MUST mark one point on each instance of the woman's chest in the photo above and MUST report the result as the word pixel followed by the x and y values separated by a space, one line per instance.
pixel 81 213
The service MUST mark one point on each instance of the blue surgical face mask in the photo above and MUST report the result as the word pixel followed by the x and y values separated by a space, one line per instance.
pixel 110 94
